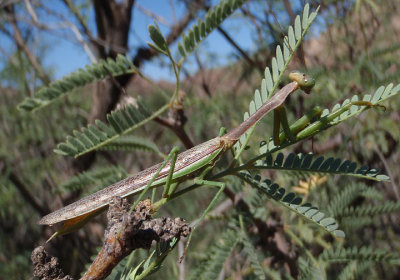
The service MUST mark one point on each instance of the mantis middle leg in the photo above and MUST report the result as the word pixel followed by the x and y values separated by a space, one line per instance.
pixel 221 187
pixel 171 156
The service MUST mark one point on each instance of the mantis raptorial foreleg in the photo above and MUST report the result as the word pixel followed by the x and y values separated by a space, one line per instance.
pixel 280 117
pixel 290 132
pixel 316 126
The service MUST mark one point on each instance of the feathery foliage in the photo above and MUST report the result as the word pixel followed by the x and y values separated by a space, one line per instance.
pixel 99 177
pixel 92 73
pixel 269 84
pixel 308 271
pixel 211 267
pixel 254 259
pixel 353 269
pixel 363 254
pixel 293 202
pixel 213 19
pixel 369 210
pixel 132 143
pixel 303 163
pixel 346 196
pixel 341 112
pixel 338 114
pixel 93 137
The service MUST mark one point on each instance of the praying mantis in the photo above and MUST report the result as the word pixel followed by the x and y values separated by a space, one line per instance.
pixel 176 167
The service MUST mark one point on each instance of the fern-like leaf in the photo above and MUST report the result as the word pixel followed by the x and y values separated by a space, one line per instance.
pixel 353 223
pixel 95 72
pixel 369 210
pixel 293 202
pixel 353 269
pixel 211 267
pixel 98 177
pixel 346 196
pixel 199 31
pixel 279 64
pixel 308 271
pixel 303 163
pixel 93 137
pixel 363 254
pixel 132 143
pixel 254 260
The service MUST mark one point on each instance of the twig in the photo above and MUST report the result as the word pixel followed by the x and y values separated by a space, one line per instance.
pixel 240 50
pixel 126 231
pixel 388 170
pixel 149 13
pixel 136 230
pixel 176 120
pixel 22 45
pixel 181 264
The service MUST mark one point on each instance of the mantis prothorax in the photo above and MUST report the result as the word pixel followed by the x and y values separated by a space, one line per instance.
pixel 184 164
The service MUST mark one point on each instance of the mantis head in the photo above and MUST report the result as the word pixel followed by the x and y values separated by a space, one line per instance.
pixel 306 83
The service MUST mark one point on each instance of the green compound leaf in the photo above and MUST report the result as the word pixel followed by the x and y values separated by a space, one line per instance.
pixel 308 163
pixel 97 136
pixel 279 65
pixel 92 73
pixel 293 203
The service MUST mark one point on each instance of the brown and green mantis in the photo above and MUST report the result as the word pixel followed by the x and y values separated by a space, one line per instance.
pixel 176 167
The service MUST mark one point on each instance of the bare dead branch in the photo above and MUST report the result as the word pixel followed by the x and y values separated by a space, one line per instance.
pixel 176 120
pixel 149 13
pixel 22 45
pixel 240 50
pixel 126 231
pixel 129 230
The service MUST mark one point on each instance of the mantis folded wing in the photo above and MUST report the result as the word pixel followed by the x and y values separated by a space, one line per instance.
pixel 187 163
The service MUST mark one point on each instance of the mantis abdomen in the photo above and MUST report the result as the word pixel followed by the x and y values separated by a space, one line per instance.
pixel 136 183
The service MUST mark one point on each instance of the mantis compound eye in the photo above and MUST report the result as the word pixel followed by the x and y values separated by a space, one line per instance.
pixel 306 83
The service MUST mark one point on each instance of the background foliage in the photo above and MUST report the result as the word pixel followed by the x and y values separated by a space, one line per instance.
pixel 353 48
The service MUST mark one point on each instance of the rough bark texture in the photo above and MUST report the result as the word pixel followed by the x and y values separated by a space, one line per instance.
pixel 46 267
pixel 126 231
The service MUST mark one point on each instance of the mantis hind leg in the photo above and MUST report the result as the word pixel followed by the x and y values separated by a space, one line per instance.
pixel 221 187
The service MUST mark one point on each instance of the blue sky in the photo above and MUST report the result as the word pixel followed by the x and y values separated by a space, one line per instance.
pixel 64 56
